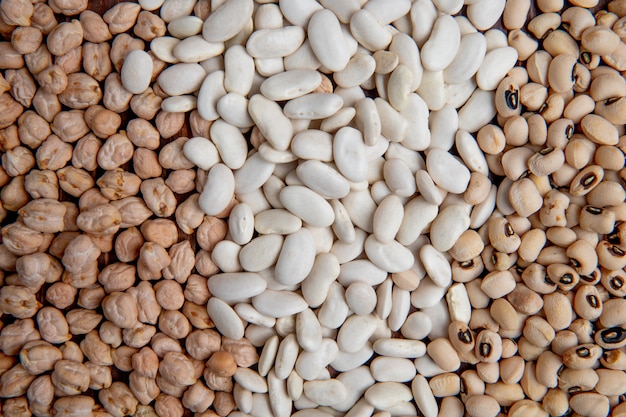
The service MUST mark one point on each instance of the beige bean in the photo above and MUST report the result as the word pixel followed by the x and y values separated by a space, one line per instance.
pixel 444 354
pixel 560 42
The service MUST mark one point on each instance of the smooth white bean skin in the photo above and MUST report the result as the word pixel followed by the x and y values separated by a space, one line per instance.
pixel 423 16
pixel 241 224
pixel 432 89
pixel 477 111
pixel 391 256
pixel 249 314
pixel 310 364
pixel 179 104
pixel 384 395
pixel 261 252
pixel 413 160
pixel 323 179
pixel 252 174
pixel 417 326
pixel 279 303
pixel 185 26
pixel 342 226
pixel 440 318
pixel 308 330
pixel 196 49
pixel 179 79
pixel 446 171
pixel 470 152
pixel 163 48
pixel 308 205
pixel 279 399
pixel 355 332
pixel 327 40
pixel 443 125
pixel 358 70
pixel 427 294
pixel 211 90
pixel 273 124
pixel 459 305
pixel 409 55
pixel 400 306
pixel 368 31
pixel 235 287
pixel 218 190
pixel 313 144
pixel 361 298
pixel 290 84
pixel 484 13
pixel 346 252
pixel 424 397
pixel 399 348
pixel 313 106
pixel 327 392
pixel 399 177
pixel 418 214
pixel 230 143
pixel 238 70
pixel 316 285
pixel 449 225
pixel 481 213
pixel 392 369
pixel 436 265
pixel 427 367
pixel 388 11
pixel 302 58
pixel 296 257
pixel 226 320
pixel 349 154
pixel 360 270
pixel 171 9
pixel 356 381
pixel 275 43
pixel 384 301
pixel 286 356
pixel 299 12
pixel 334 310
pixel 442 45
pixel 202 152
pixel 368 120
pixel 228 20
pixel 416 112
pixel 276 221
pixel 494 67
pixel 388 218
pixel 471 53
pixel 136 71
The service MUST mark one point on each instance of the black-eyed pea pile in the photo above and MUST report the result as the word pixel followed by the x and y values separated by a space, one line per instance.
pixel 312 208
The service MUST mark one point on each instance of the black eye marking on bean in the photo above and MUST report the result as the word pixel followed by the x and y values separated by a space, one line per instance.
pixel 594 210
pixel 588 180
pixel 574 263
pixel 613 335
pixel 575 389
pixel 611 100
pixel 583 352
pixel 485 349
pixel 569 131
pixel 467 264
pixel 548 280
pixel 545 151
pixel 585 57
pixel 511 97
pixel 615 251
pixel 616 283
pixel 566 279
pixel 465 336
pixel 593 301
pixel 508 230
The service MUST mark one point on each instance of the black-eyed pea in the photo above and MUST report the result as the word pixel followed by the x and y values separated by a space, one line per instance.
pixel 563 340
pixel 609 157
pixel 560 42
pixel 538 331
pixel 512 369
pixel 558 310
pixel 537 66
pixel 532 388
pixel 584 356
pixel 506 394
pixel 443 354
pixel 515 332
pixel 610 256
pixel 529 351
pixel 576 19
pixel 580 106
pixel 559 133
pixel 548 367
pixel 546 161
pixel 611 382
pixel 507 98
pixel 614 359
pixel 515 14
pixel 536 278
pixel 553 108
pixel 526 408
pixel 560 72
pixel 614 281
pixel 564 175
pixel 553 211
pixel 589 60
pixel 600 40
pixel 478 188
pixel 533 96
pixel 477 297
pixel 619 210
pixel 488 347
pixel 468 246
pixel 481 406
pixel 502 236
pixel 453 407
pixel 509 348
pixel 445 385
pixel 498 261
pixel 587 302
pixel 468 270
pixel 611 337
pixel 607 86
pixel 471 384
pixel 504 314
pixel 515 162
pixel 613 109
pixel 497 284
pixel 543 24
pixel 488 372
pixel 516 131
pixel 599 130
pixel 556 402
pixel 561 236
pixel 607 193
pixel 584 330
pixel 582 256
pixel 577 380
pixel 531 244
pixel 606 18
pixel 523 43
pixel 564 276
pixel 461 336
pixel 596 219
pixel 613 313
pixel 494 162
pixel 481 319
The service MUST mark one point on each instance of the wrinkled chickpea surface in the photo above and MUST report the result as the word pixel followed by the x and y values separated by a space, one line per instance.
pixel 105 252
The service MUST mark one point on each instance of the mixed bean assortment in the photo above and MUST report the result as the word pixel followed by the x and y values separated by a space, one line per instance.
pixel 318 208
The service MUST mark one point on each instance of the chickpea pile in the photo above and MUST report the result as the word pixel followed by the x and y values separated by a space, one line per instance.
pixel 105 252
